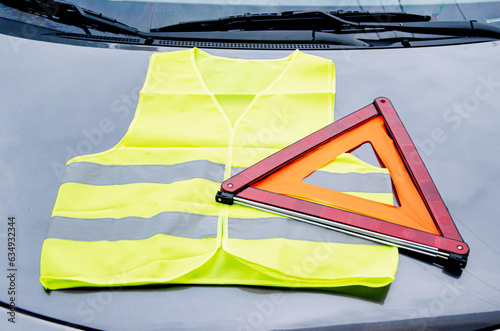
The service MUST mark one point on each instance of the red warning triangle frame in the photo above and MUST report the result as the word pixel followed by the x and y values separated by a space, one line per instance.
pixel 445 245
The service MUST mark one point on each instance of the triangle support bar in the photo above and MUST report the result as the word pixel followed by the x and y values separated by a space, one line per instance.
pixel 447 248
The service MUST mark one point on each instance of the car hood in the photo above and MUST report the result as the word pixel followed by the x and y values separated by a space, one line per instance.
pixel 62 100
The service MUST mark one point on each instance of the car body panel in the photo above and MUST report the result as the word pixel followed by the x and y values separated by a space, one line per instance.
pixel 61 100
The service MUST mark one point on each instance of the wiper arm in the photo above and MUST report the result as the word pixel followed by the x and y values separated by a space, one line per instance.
pixel 452 28
pixel 71 14
pixel 339 22
pixel 292 20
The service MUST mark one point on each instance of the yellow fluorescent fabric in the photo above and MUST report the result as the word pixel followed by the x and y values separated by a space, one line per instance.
pixel 144 212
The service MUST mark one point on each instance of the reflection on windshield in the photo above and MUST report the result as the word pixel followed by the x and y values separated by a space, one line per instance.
pixel 343 3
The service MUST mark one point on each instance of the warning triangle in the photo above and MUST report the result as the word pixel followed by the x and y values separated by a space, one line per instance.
pixel 421 223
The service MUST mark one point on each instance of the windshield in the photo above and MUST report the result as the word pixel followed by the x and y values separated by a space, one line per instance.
pixel 149 14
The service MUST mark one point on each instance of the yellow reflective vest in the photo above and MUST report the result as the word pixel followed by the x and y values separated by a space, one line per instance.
pixel 144 211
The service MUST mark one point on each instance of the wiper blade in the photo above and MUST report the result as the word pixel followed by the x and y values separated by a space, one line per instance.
pixel 338 22
pixel 292 20
pixel 71 14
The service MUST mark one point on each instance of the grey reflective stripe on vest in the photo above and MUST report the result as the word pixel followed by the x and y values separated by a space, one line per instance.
pixel 372 182
pixel 104 174
pixel 178 224
pixel 281 227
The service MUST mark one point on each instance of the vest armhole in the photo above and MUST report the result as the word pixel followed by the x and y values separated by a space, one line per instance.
pixel 128 134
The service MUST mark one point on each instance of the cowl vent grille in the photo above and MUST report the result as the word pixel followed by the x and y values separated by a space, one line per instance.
pixel 240 45
pixel 206 44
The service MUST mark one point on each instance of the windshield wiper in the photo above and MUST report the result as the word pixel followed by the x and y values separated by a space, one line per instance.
pixel 292 20
pixel 71 14
pixel 338 22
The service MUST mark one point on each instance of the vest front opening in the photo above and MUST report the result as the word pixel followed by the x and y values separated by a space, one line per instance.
pixel 236 93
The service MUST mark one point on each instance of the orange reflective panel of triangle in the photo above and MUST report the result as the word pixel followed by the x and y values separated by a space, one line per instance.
pixel 412 213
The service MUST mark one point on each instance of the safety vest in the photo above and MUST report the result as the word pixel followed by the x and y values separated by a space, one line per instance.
pixel 144 211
